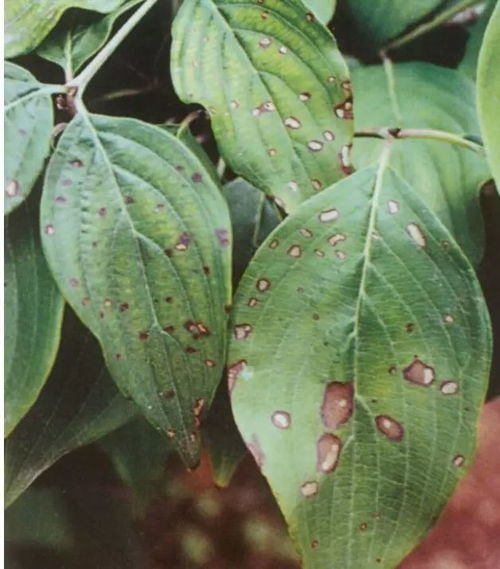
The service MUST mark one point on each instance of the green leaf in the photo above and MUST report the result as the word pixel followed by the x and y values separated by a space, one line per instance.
pixel 276 87
pixel 139 455
pixel 358 374
pixel 252 217
pixel 138 237
pixel 78 36
pixel 223 442
pixel 322 9
pixel 488 92
pixel 383 20
pixel 27 23
pixel 446 176
pixel 28 129
pixel 468 65
pixel 33 314
pixel 78 405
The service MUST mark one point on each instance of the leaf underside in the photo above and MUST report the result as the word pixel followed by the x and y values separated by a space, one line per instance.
pixel 138 237
pixel 78 405
pixel 28 128
pixel 27 23
pixel 488 92
pixel 33 314
pixel 276 87
pixel 358 364
pixel 447 177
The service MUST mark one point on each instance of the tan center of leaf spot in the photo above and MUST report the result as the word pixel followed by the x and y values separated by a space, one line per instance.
pixel 309 488
pixel 414 231
pixel 420 373
pixel 449 387
pixel 281 419
pixel 328 453
pixel 295 251
pixel 328 215
pixel 242 331
pixel 233 372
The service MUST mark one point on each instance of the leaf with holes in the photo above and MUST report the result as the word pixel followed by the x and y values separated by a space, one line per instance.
pixel 383 20
pixel 33 314
pixel 358 371
pixel 78 405
pixel 78 36
pixel 28 129
pixel 276 87
pixel 488 92
pixel 138 237
pixel 446 176
pixel 252 218
pixel 322 9
pixel 27 23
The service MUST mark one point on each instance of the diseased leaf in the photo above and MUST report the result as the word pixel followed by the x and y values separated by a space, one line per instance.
pixel 28 128
pixel 446 176
pixel 33 314
pixel 28 22
pixel 252 218
pixel 383 20
pixel 78 405
pixel 139 455
pixel 322 9
pixel 276 87
pixel 358 374
pixel 488 92
pixel 78 36
pixel 138 237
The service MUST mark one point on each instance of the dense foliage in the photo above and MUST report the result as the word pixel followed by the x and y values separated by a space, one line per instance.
pixel 217 209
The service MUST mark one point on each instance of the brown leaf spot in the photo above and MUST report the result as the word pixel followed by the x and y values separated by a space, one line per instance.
pixel 344 110
pixel 389 427
pixel 328 453
pixel 274 243
pixel 310 17
pixel 102 212
pixel 295 251
pixel 123 306
pixel 49 230
pixel 263 285
pixel 60 199
pixel 449 387
pixel 252 302
pixel 74 283
pixel 256 450
pixel 129 200
pixel 305 96
pixel 415 232
pixel 420 373
pixel 210 363
pixel 67 182
pixel 143 335
pixel 344 157
pixel 363 526
pixel 335 239
pixel 223 237
pixel 281 419
pixel 242 331
pixel 338 404
pixel 328 215
pixel 183 242
pixel 170 433
pixel 309 489
pixel 12 188
pixel 314 544
pixel 76 163
pixel 233 372
pixel 307 233
pixel 458 460
pixel 197 177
